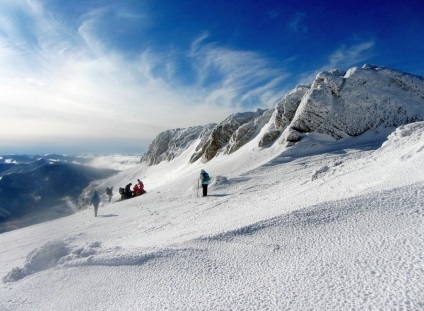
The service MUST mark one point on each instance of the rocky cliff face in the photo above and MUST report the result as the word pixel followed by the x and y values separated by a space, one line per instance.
pixel 170 143
pixel 283 114
pixel 231 134
pixel 362 99
pixel 338 104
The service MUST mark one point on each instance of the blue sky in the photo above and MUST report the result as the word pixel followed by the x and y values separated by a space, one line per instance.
pixel 106 76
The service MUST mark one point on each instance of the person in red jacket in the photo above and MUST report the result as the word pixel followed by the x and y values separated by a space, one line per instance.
pixel 141 186
pixel 136 190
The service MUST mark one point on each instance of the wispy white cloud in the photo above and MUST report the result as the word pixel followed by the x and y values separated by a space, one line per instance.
pixel 351 55
pixel 241 75
pixel 344 58
pixel 63 84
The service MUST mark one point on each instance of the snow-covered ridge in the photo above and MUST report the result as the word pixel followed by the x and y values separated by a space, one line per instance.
pixel 337 104
pixel 362 99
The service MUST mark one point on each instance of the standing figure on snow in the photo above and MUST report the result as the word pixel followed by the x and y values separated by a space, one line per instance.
pixel 204 179
pixel 109 192
pixel 95 201
pixel 128 192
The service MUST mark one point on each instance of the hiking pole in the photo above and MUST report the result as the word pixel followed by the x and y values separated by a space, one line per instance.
pixel 197 188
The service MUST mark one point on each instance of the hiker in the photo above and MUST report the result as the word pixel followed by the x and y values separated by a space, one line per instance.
pixel 95 200
pixel 204 179
pixel 136 190
pixel 122 193
pixel 109 192
pixel 141 186
pixel 128 192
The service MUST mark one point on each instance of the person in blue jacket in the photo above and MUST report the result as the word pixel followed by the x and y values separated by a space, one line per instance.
pixel 204 179
pixel 95 201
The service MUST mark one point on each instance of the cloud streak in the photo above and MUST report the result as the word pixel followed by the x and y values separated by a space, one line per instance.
pixel 343 57
pixel 238 77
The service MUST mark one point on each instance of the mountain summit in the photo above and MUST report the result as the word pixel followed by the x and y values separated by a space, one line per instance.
pixel 338 104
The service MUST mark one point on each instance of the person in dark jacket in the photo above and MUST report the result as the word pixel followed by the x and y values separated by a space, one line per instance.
pixel 122 193
pixel 204 179
pixel 128 191
pixel 95 201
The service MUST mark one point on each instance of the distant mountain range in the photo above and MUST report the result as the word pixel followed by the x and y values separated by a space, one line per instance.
pixel 338 104
pixel 34 189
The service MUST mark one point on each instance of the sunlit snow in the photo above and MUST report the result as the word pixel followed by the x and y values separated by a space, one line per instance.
pixel 325 225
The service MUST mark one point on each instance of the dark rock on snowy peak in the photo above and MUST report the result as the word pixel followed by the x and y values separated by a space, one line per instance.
pixel 231 134
pixel 283 114
pixel 227 137
pixel 247 131
pixel 170 143
pixel 338 104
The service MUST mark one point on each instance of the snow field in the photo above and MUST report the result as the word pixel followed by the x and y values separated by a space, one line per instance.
pixel 339 230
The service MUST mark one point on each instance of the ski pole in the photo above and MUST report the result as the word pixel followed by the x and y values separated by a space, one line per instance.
pixel 197 188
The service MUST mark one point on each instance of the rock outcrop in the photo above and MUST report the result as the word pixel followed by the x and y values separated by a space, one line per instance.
pixel 170 143
pixel 231 134
pixel 283 114
pixel 362 99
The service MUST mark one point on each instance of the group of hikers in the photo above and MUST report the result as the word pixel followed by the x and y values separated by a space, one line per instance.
pixel 138 189
pixel 127 193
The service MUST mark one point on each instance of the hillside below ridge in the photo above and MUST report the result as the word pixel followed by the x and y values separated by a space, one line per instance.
pixel 245 196
pixel 320 219
pixel 321 157
pixel 337 105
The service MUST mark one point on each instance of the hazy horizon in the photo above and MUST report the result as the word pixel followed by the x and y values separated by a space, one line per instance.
pixel 77 148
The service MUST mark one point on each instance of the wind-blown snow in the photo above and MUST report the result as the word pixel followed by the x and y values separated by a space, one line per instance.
pixel 326 225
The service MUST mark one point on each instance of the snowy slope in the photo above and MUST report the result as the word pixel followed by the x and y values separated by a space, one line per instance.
pixel 325 225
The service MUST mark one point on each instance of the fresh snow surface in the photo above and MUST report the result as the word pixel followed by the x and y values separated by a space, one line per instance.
pixel 324 226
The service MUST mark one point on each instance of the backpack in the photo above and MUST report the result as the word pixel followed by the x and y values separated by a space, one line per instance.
pixel 206 178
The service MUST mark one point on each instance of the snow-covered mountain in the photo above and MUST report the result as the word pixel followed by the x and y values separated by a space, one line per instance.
pixel 338 104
